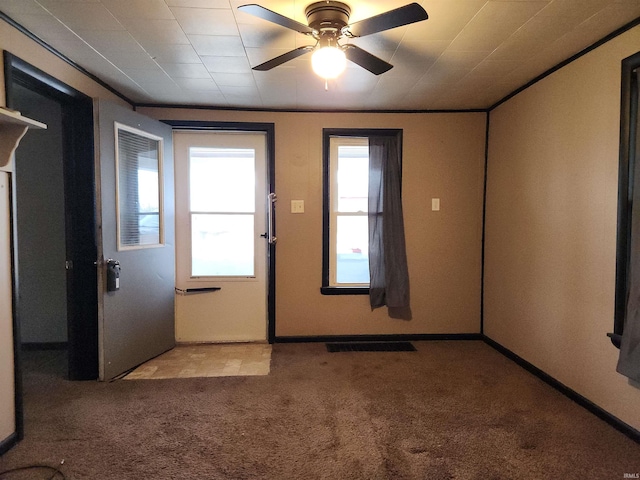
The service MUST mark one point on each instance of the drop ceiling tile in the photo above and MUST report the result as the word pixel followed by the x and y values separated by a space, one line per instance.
pixel 22 7
pixel 461 60
pixel 226 64
pixel 161 93
pixel 200 84
pixel 87 16
pixel 611 18
pixel 234 79
pixel 266 36
pixel 206 21
pixel 167 53
pixel 571 8
pixel 433 66
pixel 446 20
pixel 76 50
pixel 198 3
pixel 440 74
pixel 418 56
pixel 206 98
pixel 596 27
pixel 494 23
pixel 379 42
pixel 135 59
pixel 536 34
pixel 185 70
pixel 217 45
pixel 139 9
pixel 243 101
pixel 46 26
pixel 148 76
pixel 230 90
pixel 490 68
pixel 153 32
pixel 279 81
pixel 398 82
pixel 109 41
pixel 356 80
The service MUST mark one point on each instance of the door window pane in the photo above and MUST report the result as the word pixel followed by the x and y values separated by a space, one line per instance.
pixel 139 178
pixel 222 245
pixel 222 183
pixel 222 180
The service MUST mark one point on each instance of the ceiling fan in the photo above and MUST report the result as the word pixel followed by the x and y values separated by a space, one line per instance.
pixel 328 24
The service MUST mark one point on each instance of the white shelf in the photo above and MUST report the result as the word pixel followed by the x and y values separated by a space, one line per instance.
pixel 13 126
pixel 10 117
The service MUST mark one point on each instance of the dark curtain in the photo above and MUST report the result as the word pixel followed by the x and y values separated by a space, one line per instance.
pixel 389 276
pixel 629 360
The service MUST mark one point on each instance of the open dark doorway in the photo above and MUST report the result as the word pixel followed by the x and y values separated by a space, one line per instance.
pixel 55 212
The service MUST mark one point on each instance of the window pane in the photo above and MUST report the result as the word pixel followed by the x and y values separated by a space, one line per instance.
pixel 353 178
pixel 222 245
pixel 138 189
pixel 222 180
pixel 352 249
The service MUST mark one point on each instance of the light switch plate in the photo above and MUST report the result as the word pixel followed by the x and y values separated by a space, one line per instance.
pixel 435 204
pixel 297 206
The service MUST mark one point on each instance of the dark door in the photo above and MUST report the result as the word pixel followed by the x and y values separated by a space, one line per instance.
pixel 136 258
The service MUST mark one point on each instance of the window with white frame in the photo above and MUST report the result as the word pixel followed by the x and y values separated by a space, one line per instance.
pixel 138 188
pixel 346 206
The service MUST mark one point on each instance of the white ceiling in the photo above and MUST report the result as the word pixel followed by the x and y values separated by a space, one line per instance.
pixel 469 53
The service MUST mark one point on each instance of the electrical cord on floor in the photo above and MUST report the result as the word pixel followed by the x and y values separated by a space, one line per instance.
pixel 57 473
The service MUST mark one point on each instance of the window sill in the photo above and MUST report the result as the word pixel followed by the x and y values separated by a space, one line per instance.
pixel 344 290
pixel 615 339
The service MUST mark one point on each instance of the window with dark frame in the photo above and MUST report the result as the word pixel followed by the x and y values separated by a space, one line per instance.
pixel 345 268
pixel 625 257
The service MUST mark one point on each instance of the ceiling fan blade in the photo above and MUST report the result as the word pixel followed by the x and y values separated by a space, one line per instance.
pixel 271 16
pixel 366 60
pixel 274 62
pixel 411 13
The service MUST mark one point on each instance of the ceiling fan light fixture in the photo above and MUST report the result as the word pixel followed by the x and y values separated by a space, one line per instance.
pixel 328 62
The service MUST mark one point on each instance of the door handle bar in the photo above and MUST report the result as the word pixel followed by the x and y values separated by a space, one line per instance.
pixel 271 227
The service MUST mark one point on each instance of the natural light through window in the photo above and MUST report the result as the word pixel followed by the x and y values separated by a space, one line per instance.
pixel 138 188
pixel 222 210
pixel 349 246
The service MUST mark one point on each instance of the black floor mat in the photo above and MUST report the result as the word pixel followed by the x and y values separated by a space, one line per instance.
pixel 370 347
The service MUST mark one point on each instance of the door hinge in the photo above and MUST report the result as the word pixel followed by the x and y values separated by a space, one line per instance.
pixel 68 265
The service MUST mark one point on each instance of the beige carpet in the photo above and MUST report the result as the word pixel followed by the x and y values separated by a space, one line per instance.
pixel 206 360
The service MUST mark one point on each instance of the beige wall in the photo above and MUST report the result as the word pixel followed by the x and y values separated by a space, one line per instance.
pixel 443 248
pixel 551 226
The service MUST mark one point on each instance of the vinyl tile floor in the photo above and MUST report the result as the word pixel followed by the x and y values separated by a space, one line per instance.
pixel 207 360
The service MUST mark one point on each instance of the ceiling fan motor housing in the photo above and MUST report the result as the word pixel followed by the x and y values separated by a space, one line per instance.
pixel 328 18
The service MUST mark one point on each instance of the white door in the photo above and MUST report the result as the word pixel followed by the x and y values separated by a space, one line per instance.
pixel 221 236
